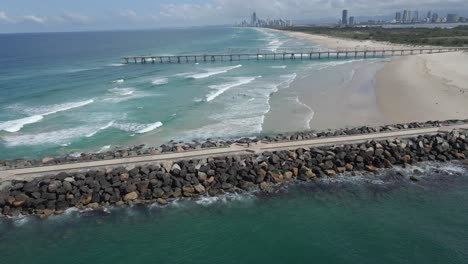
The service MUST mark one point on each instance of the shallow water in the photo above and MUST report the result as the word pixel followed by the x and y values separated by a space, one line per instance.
pixel 69 92
pixel 362 219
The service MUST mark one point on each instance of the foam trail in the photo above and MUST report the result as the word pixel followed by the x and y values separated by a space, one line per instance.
pixel 138 128
pixel 118 81
pixel 122 91
pixel 100 129
pixel 161 81
pixel 224 87
pixel 116 65
pixel 213 72
pixel 16 125
pixel 279 67
pixel 311 115
pixel 104 149
pixel 149 128
pixel 58 137
pixel 67 106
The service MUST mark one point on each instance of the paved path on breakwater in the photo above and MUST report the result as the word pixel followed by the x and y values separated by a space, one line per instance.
pixel 235 149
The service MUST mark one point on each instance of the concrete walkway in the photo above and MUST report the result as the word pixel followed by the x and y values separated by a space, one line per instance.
pixel 235 149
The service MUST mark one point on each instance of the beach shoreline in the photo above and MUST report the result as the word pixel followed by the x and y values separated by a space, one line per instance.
pixel 410 88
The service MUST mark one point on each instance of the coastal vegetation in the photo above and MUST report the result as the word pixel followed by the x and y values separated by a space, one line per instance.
pixel 448 37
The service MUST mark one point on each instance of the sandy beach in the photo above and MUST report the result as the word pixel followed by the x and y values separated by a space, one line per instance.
pixel 424 87
pixel 403 89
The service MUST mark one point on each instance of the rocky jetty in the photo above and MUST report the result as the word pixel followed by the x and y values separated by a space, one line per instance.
pixel 162 182
pixel 173 146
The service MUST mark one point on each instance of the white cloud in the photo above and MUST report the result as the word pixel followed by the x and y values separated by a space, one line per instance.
pixel 34 19
pixel 4 18
pixel 75 18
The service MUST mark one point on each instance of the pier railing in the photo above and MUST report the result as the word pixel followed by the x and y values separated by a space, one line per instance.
pixel 309 54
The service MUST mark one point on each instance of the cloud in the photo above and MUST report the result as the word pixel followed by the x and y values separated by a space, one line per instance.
pixel 130 14
pixel 75 18
pixel 4 18
pixel 33 19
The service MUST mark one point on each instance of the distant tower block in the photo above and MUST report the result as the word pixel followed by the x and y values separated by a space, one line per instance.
pixel 344 17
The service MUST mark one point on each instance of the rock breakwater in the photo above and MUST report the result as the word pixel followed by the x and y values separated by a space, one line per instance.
pixel 173 146
pixel 162 182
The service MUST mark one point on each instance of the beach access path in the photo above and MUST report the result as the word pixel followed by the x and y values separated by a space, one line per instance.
pixel 235 149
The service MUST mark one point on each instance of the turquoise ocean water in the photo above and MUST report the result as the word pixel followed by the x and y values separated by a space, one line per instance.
pixel 70 92
pixel 364 219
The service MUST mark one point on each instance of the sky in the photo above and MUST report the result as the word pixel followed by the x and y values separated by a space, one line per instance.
pixel 78 15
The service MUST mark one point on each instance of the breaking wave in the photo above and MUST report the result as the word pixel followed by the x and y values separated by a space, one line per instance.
pixel 37 114
pixel 212 72
pixel 160 81
pixel 100 129
pixel 220 89
pixel 138 128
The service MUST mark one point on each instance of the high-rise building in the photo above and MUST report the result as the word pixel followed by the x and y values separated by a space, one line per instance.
pixel 452 18
pixel 405 16
pixel 398 17
pixel 254 20
pixel 435 18
pixel 415 16
pixel 344 17
pixel 429 15
pixel 351 20
pixel 410 16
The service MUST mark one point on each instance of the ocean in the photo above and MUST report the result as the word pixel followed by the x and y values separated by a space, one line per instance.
pixel 362 219
pixel 63 93
pixel 69 93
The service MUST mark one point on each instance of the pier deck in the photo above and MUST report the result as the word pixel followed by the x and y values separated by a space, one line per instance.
pixel 235 149
pixel 288 55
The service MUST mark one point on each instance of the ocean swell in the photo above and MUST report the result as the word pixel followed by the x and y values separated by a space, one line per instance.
pixel 220 89
pixel 38 114
pixel 212 72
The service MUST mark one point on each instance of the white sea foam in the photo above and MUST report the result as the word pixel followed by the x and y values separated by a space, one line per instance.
pixel 100 129
pixel 228 127
pixel 81 70
pixel 57 137
pixel 212 72
pixel 326 65
pixel 122 91
pixel 286 80
pixel 104 149
pixel 116 65
pixel 119 95
pixel 225 198
pixel 311 114
pixel 183 74
pixel 220 89
pixel 37 114
pixel 138 128
pixel 279 67
pixel 160 81
pixel 16 125
pixel 118 81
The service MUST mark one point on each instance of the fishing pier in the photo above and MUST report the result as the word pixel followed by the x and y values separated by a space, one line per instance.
pixel 287 55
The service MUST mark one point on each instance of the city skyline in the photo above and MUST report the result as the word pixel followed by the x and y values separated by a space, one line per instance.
pixel 54 15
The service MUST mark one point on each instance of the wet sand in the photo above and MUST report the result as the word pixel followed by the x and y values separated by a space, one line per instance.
pixel 400 89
